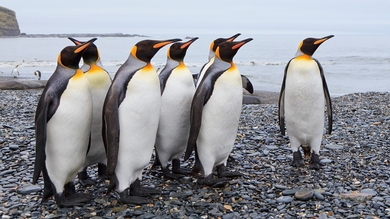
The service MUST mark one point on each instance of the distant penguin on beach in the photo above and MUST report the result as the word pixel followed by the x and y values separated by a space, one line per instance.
pixel 15 72
pixel 215 114
pixel 62 127
pixel 301 103
pixel 177 90
pixel 38 74
pixel 100 82
pixel 131 115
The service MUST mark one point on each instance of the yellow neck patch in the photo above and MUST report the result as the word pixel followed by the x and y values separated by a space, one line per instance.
pixel 78 74
pixel 303 57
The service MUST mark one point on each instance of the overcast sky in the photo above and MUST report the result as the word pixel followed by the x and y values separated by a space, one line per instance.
pixel 201 16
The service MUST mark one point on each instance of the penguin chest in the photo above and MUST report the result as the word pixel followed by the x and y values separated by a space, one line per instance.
pixel 68 130
pixel 99 82
pixel 304 98
pixel 220 116
pixel 174 121
pixel 138 116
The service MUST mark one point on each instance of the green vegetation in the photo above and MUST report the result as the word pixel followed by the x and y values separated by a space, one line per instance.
pixel 8 24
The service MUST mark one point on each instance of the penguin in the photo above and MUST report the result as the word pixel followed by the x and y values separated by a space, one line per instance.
pixel 62 128
pixel 131 114
pixel 177 90
pixel 301 103
pixel 99 81
pixel 215 113
pixel 38 74
pixel 15 72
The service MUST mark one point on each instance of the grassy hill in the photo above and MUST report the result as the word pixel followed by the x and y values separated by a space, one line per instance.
pixel 8 24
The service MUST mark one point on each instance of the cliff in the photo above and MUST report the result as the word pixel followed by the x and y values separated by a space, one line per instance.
pixel 8 24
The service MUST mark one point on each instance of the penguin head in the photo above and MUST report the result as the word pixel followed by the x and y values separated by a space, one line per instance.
pixel 309 45
pixel 216 42
pixel 145 50
pixel 177 51
pixel 91 54
pixel 227 50
pixel 70 56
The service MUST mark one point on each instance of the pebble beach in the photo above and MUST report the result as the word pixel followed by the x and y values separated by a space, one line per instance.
pixel 354 181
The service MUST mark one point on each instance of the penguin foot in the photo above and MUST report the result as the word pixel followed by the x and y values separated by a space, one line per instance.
pixel 102 172
pixel 84 178
pixel 222 172
pixel 315 162
pixel 169 175
pixel 125 198
pixel 177 169
pixel 216 183
pixel 73 200
pixel 137 190
pixel 297 159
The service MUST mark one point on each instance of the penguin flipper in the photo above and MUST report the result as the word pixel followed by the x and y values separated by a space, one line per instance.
pixel 281 102
pixel 247 84
pixel 46 108
pixel 327 98
pixel 200 99
pixel 40 133
pixel 110 130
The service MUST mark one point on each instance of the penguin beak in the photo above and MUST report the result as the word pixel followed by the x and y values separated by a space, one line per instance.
pixel 241 43
pixel 76 42
pixel 165 42
pixel 82 47
pixel 323 39
pixel 230 39
pixel 185 45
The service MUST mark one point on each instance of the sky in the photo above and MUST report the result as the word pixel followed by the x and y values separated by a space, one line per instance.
pixel 201 16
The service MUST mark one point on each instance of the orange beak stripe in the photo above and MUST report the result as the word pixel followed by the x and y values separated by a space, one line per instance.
pixel 185 45
pixel 319 41
pixel 159 45
pixel 238 45
pixel 81 48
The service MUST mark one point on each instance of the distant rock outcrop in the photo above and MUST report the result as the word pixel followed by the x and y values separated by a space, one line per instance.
pixel 8 24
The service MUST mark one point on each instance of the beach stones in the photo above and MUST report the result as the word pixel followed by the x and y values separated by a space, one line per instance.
pixel 304 194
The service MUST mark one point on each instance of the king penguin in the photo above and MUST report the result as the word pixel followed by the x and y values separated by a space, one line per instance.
pixel 131 114
pixel 63 123
pixel 177 90
pixel 215 114
pixel 302 103
pixel 99 81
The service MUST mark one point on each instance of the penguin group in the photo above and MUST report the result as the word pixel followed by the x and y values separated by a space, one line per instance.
pixel 84 117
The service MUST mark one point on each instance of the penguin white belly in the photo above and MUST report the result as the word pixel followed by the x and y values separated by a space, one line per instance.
pixel 220 120
pixel 174 122
pixel 304 102
pixel 68 133
pixel 138 121
pixel 100 83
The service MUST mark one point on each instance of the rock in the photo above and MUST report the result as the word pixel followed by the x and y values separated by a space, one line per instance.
pixel 284 199
pixel 334 147
pixel 29 189
pixel 304 194
pixel 8 23
pixel 289 191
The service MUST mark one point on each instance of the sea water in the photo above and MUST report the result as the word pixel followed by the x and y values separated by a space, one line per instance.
pixel 351 62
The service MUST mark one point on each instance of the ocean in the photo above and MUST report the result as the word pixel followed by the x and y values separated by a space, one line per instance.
pixel 351 62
